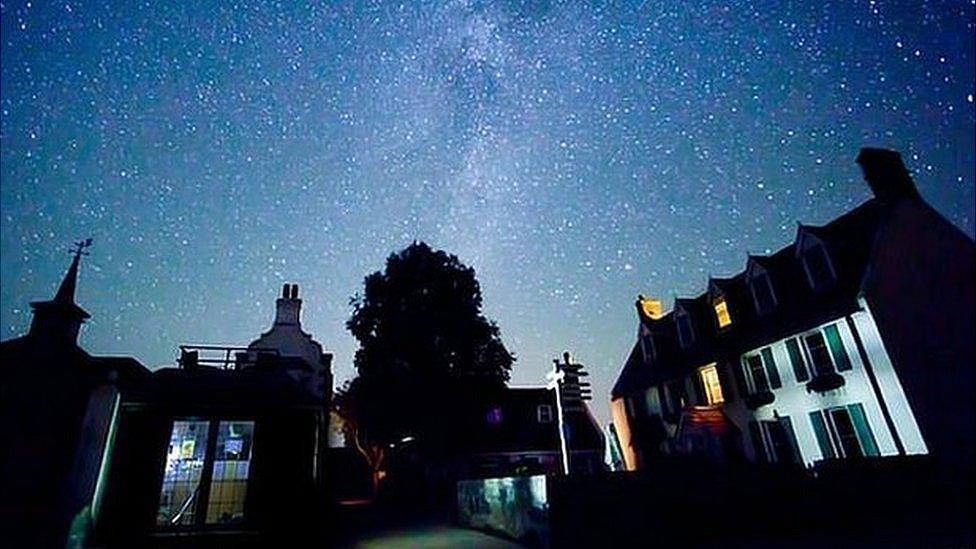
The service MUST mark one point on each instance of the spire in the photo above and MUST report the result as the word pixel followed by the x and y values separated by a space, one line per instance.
pixel 60 318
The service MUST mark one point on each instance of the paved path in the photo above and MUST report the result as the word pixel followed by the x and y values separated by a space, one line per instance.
pixel 441 537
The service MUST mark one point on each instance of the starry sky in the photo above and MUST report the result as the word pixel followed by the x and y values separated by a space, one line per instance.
pixel 575 153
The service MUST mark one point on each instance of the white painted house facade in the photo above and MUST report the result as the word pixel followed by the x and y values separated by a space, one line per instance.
pixel 855 341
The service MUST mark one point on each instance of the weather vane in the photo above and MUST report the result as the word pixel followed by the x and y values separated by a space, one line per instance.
pixel 80 247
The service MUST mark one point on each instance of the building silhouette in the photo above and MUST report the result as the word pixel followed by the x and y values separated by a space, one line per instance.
pixel 57 404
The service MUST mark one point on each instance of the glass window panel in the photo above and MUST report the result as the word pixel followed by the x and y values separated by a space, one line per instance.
pixel 232 460
pixel 722 312
pixel 181 478
pixel 837 348
pixel 863 429
pixel 818 267
pixel 771 371
pixel 762 290
pixel 796 360
pixel 823 438
pixel 757 373
pixel 819 355
pixel 755 433
pixel 845 432
pixel 711 384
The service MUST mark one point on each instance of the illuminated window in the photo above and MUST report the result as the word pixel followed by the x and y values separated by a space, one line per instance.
pixel 544 413
pixel 182 493
pixel 722 312
pixel 710 382
pixel 232 463
pixel 181 478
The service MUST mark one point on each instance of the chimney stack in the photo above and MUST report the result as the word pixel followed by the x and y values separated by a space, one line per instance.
pixel 288 306
pixel 886 174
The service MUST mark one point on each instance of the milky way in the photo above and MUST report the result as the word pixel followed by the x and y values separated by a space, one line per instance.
pixel 575 154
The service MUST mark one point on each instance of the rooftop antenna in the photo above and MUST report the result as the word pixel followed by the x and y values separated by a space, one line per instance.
pixel 80 247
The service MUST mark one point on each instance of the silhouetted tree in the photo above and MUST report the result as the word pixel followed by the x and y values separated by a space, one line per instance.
pixel 425 349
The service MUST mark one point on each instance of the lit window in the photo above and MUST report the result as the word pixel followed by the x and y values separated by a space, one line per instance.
pixel 710 382
pixel 544 413
pixel 182 493
pixel 494 416
pixel 722 312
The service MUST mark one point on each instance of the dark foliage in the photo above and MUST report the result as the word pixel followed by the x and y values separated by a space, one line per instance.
pixel 425 352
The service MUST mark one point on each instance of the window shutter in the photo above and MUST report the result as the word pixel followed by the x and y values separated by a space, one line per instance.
pixel 837 348
pixel 864 433
pixel 796 359
pixel 823 438
pixel 787 424
pixel 771 371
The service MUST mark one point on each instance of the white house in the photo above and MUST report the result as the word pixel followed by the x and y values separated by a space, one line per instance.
pixel 856 340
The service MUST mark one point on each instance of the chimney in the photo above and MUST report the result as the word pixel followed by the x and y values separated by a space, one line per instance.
pixel 886 174
pixel 288 306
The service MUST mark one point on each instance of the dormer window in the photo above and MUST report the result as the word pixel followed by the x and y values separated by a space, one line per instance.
pixel 686 334
pixel 817 266
pixel 646 343
pixel 722 315
pixel 761 287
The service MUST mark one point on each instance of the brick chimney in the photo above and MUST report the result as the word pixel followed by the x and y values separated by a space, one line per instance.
pixel 886 174
pixel 289 307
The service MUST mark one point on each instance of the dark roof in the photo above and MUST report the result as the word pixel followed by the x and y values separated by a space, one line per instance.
pixel 520 431
pixel 849 240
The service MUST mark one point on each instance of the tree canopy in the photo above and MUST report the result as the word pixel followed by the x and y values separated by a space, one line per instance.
pixel 425 348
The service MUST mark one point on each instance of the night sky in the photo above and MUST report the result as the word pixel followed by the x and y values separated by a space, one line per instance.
pixel 575 154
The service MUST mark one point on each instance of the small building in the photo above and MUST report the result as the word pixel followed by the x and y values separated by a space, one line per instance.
pixel 518 433
pixel 57 404
pixel 855 340
pixel 230 444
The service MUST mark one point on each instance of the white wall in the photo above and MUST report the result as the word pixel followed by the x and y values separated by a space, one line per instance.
pixel 793 400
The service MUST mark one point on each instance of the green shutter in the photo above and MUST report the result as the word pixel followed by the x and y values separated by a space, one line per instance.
pixel 823 438
pixel 863 429
pixel 771 372
pixel 796 359
pixel 837 348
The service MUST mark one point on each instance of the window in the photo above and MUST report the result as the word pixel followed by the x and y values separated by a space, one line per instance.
pixel 826 351
pixel 711 384
pixel 816 264
pixel 762 292
pixel 761 372
pixel 543 413
pixel 218 452
pixel 721 312
pixel 494 416
pixel 843 432
pixel 775 441
pixel 647 344
pixel 686 335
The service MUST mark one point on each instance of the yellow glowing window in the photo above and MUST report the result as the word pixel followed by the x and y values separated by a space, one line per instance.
pixel 711 383
pixel 722 312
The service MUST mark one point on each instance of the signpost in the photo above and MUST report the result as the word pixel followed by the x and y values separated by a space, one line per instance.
pixel 570 395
